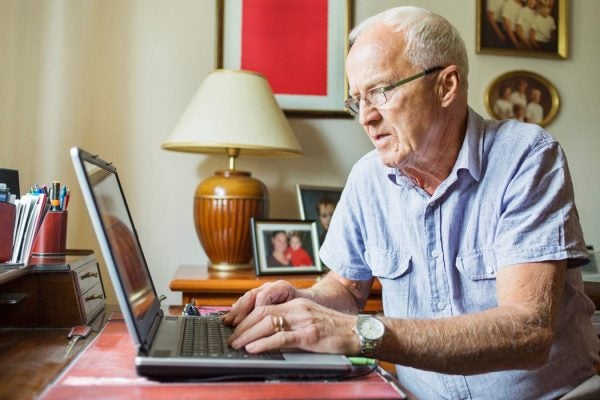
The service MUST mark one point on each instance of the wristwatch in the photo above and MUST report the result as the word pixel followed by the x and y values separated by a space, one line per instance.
pixel 370 332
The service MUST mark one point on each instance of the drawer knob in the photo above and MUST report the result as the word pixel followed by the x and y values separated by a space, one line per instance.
pixel 89 275
pixel 94 297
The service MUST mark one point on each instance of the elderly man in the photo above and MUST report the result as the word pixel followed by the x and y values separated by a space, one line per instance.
pixel 470 225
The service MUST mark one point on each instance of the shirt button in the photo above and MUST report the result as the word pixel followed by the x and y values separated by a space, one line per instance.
pixel 489 269
pixel 435 254
pixel 441 305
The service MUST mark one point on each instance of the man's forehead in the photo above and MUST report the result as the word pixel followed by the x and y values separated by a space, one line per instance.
pixel 370 65
pixel 373 55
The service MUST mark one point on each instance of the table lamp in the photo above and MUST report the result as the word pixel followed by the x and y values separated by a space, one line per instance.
pixel 233 113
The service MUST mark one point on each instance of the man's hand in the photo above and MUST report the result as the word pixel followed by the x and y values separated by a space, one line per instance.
pixel 299 323
pixel 267 294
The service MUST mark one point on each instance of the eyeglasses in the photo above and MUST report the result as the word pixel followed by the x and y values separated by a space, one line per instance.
pixel 378 96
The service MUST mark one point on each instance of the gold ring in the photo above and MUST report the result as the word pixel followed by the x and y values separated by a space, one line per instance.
pixel 278 323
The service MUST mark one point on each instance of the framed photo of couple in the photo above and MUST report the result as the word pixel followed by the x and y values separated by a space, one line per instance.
pixel 283 246
pixel 533 28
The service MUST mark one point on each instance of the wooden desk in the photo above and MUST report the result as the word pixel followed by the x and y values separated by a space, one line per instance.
pixel 205 287
pixel 106 370
pixel 30 359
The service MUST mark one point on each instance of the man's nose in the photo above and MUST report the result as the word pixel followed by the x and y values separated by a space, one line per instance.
pixel 366 113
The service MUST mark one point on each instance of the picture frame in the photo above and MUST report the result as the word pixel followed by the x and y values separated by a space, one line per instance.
pixel 548 20
pixel 285 246
pixel 529 83
pixel 313 199
pixel 301 50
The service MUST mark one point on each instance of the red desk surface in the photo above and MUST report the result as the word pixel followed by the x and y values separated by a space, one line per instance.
pixel 106 370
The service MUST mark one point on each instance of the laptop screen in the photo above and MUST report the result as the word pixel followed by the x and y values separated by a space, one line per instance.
pixel 121 241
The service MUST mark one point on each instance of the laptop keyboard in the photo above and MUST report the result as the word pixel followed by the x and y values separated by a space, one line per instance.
pixel 206 336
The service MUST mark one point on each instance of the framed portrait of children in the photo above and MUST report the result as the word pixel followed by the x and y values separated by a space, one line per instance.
pixel 531 28
pixel 522 95
pixel 285 246
pixel 317 203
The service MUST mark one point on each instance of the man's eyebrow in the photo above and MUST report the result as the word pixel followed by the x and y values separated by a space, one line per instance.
pixel 376 83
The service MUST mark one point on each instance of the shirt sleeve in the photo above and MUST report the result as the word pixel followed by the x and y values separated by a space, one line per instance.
pixel 343 250
pixel 539 219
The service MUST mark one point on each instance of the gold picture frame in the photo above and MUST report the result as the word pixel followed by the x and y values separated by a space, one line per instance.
pixel 531 88
pixel 546 38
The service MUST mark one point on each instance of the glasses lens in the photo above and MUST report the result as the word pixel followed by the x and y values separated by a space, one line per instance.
pixel 375 97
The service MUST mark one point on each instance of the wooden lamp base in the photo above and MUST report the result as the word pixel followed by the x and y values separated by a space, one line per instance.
pixel 223 207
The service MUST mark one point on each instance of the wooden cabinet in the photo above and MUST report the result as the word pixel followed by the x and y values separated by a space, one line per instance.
pixel 202 286
pixel 54 293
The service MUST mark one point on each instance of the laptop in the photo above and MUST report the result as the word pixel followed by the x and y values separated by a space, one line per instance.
pixel 159 339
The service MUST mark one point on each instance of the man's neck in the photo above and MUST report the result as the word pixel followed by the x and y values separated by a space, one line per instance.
pixel 430 171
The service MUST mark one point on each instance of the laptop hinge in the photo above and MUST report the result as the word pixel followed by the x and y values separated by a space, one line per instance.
pixel 145 346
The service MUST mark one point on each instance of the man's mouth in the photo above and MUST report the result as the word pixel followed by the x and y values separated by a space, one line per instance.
pixel 378 137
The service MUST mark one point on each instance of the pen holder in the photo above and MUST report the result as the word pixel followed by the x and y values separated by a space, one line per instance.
pixel 7 228
pixel 51 239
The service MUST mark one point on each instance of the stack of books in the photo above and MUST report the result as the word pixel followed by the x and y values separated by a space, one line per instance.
pixel 30 210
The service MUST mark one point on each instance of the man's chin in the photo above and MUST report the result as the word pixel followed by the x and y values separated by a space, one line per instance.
pixel 388 161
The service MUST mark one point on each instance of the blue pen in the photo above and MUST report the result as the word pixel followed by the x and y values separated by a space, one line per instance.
pixel 63 195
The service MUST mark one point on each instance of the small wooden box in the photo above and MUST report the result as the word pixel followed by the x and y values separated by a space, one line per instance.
pixel 58 293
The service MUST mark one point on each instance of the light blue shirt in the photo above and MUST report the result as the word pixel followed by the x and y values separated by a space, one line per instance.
pixel 508 200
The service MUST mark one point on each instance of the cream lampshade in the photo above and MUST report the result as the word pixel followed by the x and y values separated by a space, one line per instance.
pixel 233 113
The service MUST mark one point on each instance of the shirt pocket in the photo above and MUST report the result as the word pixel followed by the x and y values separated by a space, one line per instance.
pixel 392 268
pixel 478 280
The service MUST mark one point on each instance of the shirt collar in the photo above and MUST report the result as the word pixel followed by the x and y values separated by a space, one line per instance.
pixel 471 152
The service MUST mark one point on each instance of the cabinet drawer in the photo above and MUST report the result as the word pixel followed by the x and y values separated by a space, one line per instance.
pixel 92 301
pixel 87 276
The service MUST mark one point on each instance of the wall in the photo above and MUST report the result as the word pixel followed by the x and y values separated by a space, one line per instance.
pixel 113 76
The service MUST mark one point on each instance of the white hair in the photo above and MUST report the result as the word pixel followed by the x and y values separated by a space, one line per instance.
pixel 430 39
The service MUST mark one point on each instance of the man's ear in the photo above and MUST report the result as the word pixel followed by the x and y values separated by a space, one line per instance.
pixel 449 84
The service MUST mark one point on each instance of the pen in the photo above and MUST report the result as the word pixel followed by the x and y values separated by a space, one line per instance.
pixel 63 195
pixel 67 196
pixel 361 361
pixel 55 196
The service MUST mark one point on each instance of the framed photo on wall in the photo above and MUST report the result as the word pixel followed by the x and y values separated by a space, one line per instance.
pixel 318 203
pixel 522 95
pixel 532 28
pixel 300 46
pixel 285 247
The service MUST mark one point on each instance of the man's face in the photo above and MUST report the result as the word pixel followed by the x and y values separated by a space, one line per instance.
pixel 402 129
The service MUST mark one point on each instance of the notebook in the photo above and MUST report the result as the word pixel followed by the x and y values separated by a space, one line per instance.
pixel 158 337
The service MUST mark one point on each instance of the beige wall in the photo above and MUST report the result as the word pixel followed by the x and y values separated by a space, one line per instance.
pixel 113 76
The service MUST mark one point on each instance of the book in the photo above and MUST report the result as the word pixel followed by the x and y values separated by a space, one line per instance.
pixel 31 209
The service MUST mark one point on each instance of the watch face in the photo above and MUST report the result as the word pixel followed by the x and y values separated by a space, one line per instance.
pixel 370 328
